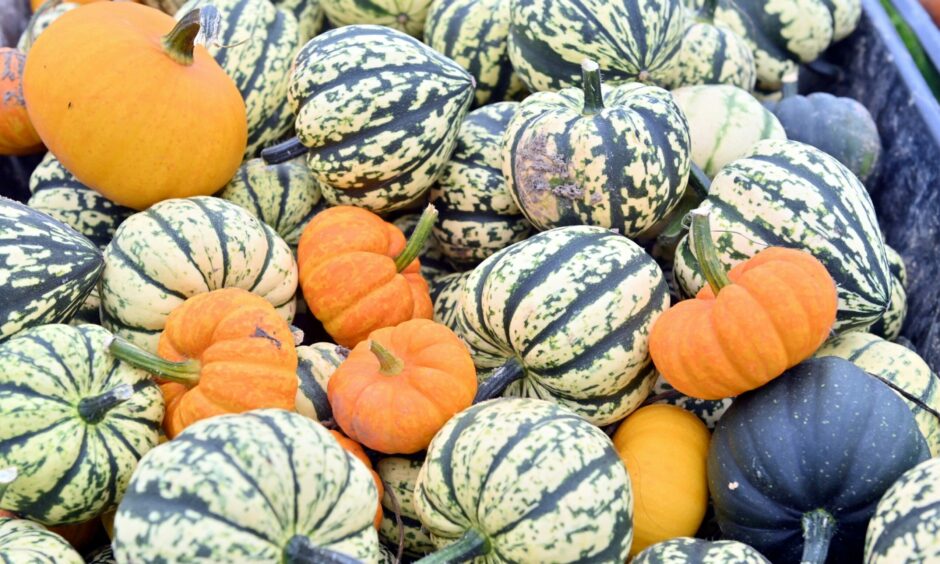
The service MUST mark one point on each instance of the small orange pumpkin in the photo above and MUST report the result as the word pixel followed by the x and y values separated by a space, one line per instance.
pixel 17 135
pixel 397 389
pixel 771 313
pixel 355 449
pixel 225 351
pixel 358 274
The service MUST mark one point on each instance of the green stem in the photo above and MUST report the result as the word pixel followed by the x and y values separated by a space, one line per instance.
pixel 591 83
pixel 93 408
pixel 283 151
pixel 418 238
pixel 186 372
pixel 818 527
pixel 500 379
pixel 705 252
pixel 301 550
pixel 7 477
pixel 180 43
pixel 706 14
pixel 389 364
pixel 471 545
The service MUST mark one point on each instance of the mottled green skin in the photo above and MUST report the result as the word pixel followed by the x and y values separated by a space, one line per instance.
pixel 70 469
pixel 433 262
pixel 25 542
pixel 685 550
pixel 397 107
pixel 446 295
pixel 478 215
pixel 539 482
pixel 896 265
pixel 710 54
pixel 41 22
pixel 236 488
pixel 407 16
pixel 906 524
pixel 624 167
pixel 787 194
pixel 400 475
pixel 309 15
pixel 315 364
pixel 889 326
pixel 574 306
pixel 104 555
pixel 709 411
pixel 182 247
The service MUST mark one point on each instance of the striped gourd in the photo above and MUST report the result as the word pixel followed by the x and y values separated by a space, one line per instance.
pixel 263 486
pixel 568 311
pixel 402 103
pixel 42 19
pixel 104 555
pixel 709 411
pixel 898 365
pixel 906 524
pixel 433 262
pixel 896 265
pixel 446 295
pixel 309 16
pixel 47 269
pixel 315 364
pixel 685 550
pixel 405 16
pixel 477 213
pixel 724 123
pixel 619 161
pixel 630 39
pixel 182 247
pixel 75 422
pixel 890 324
pixel 25 542
pixel 284 195
pixel 787 194
pixel 533 479
pixel 400 475
pixel 475 34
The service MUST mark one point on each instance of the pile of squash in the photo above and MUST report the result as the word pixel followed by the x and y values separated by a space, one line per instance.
pixel 451 280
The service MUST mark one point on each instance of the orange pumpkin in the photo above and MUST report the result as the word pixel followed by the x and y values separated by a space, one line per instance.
pixel 225 351
pixel 358 274
pixel 933 8
pixel 17 135
pixel 132 107
pixel 746 327
pixel 355 449
pixel 397 389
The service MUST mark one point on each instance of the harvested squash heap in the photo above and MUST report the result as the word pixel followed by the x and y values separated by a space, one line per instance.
pixel 454 280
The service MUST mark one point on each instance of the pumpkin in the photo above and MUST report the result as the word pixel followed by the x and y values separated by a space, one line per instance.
pixel 400 475
pixel 485 489
pixel 685 550
pixel 358 275
pixel 386 144
pixel 890 324
pixel 315 365
pixel 784 472
pixel 904 527
pixel 709 412
pixel 41 19
pixel 664 449
pixel 76 421
pixel 933 8
pixel 405 17
pixel 475 34
pixel 477 213
pixel 433 262
pixel 48 269
pixel 446 294
pixel 265 486
pixel 397 389
pixel 309 15
pixel 183 247
pixel 565 315
pixel 355 449
pixel 190 141
pixel 582 156
pixel 631 39
pixel 25 542
pixel 724 123
pixel 17 134
pixel 787 194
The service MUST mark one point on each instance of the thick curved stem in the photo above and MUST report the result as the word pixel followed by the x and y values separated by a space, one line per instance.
pixel 705 252
pixel 500 379
pixel 199 24
pixel 283 151
pixel 7 477
pixel 301 550
pixel 418 238
pixel 186 372
pixel 93 408
pixel 471 545
pixel 818 527
pixel 695 193
pixel 389 364
pixel 591 83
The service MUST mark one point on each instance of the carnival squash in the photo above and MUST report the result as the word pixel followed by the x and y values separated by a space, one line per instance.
pixel 315 365
pixel 688 550
pixel 355 449
pixel 26 542
pixel 905 525
pixel 17 134
pixel 434 263
pixel 400 475
pixel 709 412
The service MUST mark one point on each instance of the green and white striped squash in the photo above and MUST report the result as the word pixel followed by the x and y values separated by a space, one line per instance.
pixel 309 16
pixel 629 39
pixel 569 310
pixel 906 524
pixel 104 555
pixel 475 34
pixel 315 364
pixel 898 365
pixel 890 324
pixel 182 247
pixel 724 123
pixel 709 411
pixel 686 550
pixel 397 106
pixel 407 16
pixel 75 422
pixel 787 194
pixel 284 195
pixel 47 269
pixel 896 265
pixel 400 475
pixel 40 21
pixel 263 486
pixel 446 295
pixel 534 480
pixel 477 213
pixel 433 262
pixel 618 160
pixel 25 542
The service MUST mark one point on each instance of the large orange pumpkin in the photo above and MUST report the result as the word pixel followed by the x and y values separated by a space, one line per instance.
pixel 132 107
pixel 397 389
pixel 746 327
pixel 355 449
pixel 225 351
pixel 17 135
pixel 357 274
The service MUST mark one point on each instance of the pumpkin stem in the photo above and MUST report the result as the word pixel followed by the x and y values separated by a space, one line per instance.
pixel 471 545
pixel 818 527
pixel 705 252
pixel 7 477
pixel 283 151
pixel 791 85
pixel 418 238
pixel 197 26
pixel 707 13
pixel 500 379
pixel 301 550
pixel 389 364
pixel 591 83
pixel 93 408
pixel 186 372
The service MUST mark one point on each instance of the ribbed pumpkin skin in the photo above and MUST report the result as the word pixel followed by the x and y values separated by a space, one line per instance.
pixel 574 305
pixel 548 39
pixel 236 487
pixel 710 54
pixel 48 269
pixel 308 13
pixel 17 134
pixel 401 474
pixel 315 364
pixel 623 168
pixel 787 194
pixel 183 247
pixel 433 262
pixel 477 213
pixel 890 324
pixel 475 34
pixel 70 469
pixel 686 550
pixel 709 412
pixel 407 17
pixel 25 542
pixel 525 473
pixel 384 147
pixel 905 527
